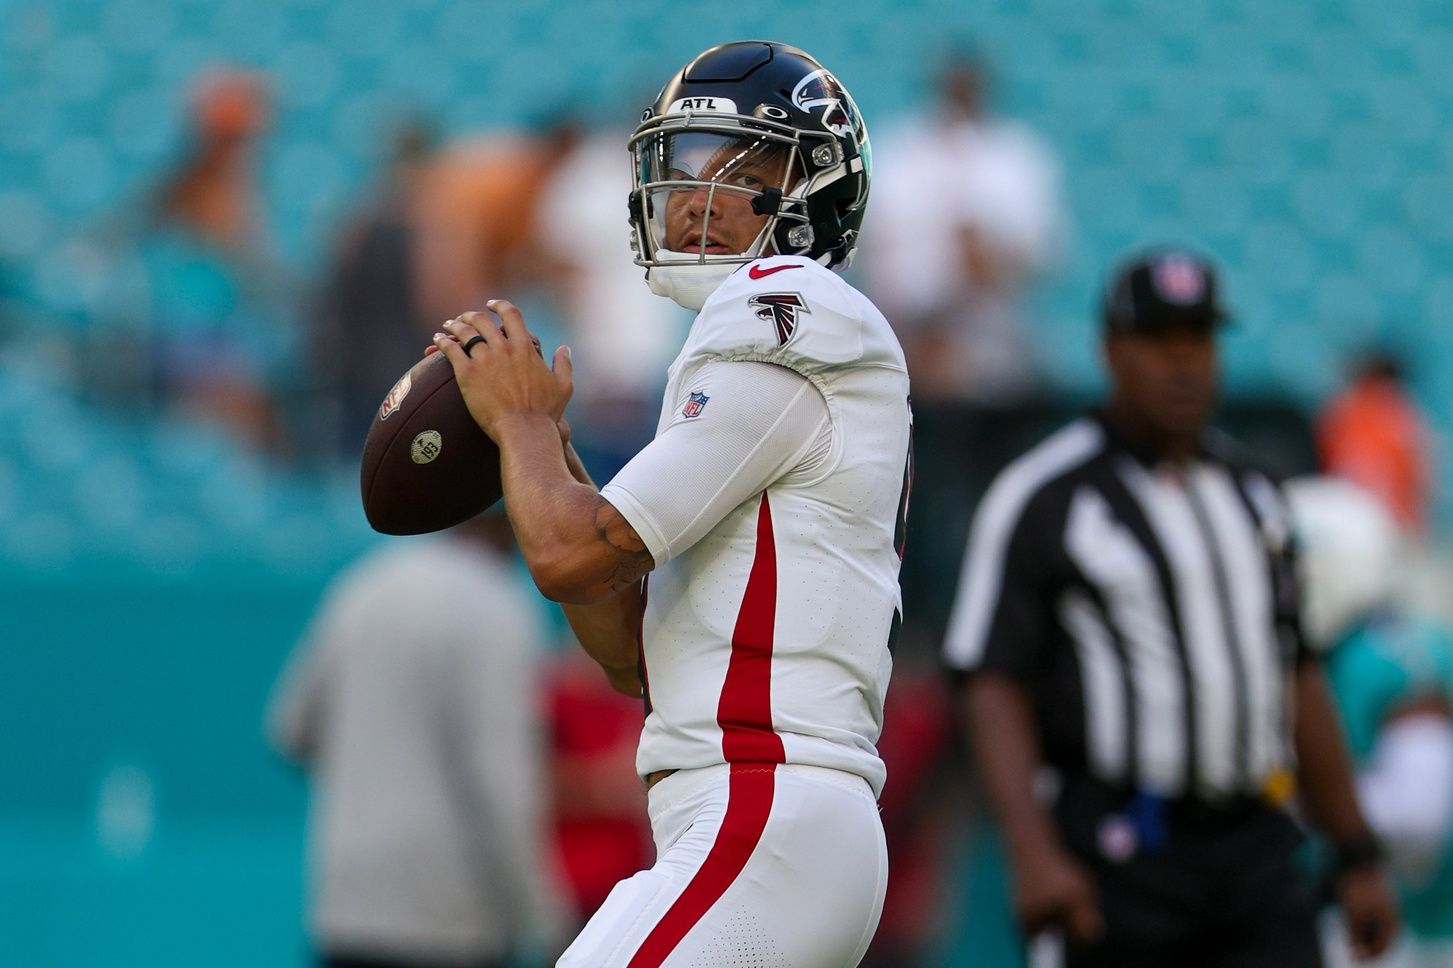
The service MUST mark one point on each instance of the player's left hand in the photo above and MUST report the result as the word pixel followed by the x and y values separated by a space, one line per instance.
pixel 503 374
pixel 1369 911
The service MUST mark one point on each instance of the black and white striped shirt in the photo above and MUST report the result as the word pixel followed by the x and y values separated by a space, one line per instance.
pixel 1149 606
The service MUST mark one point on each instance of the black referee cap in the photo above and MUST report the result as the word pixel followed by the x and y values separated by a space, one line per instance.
pixel 1160 288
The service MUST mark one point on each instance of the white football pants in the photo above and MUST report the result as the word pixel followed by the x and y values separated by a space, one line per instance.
pixel 760 866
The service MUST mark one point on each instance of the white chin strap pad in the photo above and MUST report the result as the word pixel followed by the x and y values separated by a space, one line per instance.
pixel 688 285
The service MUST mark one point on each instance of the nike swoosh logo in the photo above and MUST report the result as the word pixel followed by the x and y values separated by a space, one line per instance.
pixel 757 272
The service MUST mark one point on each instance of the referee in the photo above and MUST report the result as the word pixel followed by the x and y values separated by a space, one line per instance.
pixel 1127 616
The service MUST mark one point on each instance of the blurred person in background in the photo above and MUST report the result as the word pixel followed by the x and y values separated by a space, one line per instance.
pixel 768 513
pixel 414 707
pixel 475 216
pixel 1128 616
pixel 623 335
pixel 204 311
pixel 369 321
pixel 449 224
pixel 1374 433
pixel 597 800
pixel 920 814
pixel 969 213
pixel 1391 672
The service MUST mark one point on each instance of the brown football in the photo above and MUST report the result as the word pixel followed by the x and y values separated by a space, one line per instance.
pixel 426 464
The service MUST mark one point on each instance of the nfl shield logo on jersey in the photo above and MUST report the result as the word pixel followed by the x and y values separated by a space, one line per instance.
pixel 694 405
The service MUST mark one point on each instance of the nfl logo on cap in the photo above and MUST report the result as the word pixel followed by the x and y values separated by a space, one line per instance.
pixel 1178 280
pixel 1164 287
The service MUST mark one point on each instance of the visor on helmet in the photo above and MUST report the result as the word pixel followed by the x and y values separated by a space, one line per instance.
pixel 687 177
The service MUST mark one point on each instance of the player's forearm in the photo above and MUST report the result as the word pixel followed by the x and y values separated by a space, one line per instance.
pixel 578 548
pixel 576 467
pixel 1001 735
pixel 1323 769
pixel 609 632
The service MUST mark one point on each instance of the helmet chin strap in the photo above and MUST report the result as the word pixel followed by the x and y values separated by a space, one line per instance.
pixel 687 284
pixel 690 284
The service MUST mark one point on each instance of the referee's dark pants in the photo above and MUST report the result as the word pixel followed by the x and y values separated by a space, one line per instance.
pixel 1190 885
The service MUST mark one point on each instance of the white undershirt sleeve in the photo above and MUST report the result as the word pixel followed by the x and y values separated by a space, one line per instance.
pixel 739 427
pixel 1406 789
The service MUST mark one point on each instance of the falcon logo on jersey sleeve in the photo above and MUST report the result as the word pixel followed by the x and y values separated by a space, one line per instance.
pixel 695 404
pixel 782 309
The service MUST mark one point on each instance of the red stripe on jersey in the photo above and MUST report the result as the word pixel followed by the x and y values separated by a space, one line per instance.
pixel 749 802
pixel 744 711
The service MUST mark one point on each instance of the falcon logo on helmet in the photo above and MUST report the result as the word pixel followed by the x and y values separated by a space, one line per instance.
pixel 821 90
pixel 782 309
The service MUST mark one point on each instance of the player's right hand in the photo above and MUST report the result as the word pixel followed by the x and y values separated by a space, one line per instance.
pixel 504 376
pixel 1054 891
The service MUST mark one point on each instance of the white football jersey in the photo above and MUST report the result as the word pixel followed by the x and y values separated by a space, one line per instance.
pixel 767 640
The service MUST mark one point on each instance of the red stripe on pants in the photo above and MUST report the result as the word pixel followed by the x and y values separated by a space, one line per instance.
pixel 749 802
pixel 744 710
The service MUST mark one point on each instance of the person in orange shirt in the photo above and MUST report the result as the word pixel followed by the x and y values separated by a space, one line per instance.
pixel 203 309
pixel 1374 434
pixel 474 217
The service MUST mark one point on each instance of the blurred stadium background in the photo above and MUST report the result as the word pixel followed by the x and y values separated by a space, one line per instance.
pixel 154 570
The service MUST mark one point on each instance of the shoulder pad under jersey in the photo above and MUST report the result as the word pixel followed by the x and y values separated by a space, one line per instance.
pixel 787 310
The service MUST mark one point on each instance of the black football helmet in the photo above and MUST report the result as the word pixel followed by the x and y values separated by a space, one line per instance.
pixel 769 124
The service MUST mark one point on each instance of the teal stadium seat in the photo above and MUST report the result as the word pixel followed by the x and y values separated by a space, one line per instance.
pixel 157 574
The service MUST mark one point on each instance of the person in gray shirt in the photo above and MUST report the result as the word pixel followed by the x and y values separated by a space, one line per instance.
pixel 414 710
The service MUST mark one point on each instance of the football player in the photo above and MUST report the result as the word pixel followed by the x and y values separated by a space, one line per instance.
pixel 768 512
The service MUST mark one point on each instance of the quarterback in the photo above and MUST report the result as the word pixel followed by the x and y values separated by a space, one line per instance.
pixel 741 572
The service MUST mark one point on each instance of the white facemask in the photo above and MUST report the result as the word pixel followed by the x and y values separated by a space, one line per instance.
pixel 690 283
